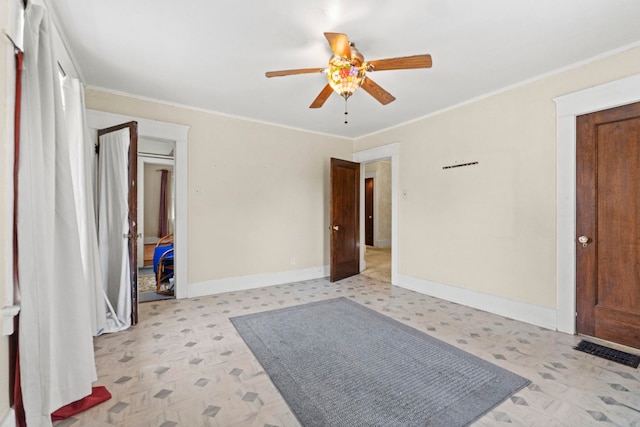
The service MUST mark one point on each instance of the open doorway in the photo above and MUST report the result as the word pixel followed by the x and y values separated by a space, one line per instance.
pixel 389 153
pixel 377 218
pixel 156 215
pixel 178 134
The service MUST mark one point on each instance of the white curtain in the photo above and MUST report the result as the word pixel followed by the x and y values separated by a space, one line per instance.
pixel 113 226
pixel 82 153
pixel 56 346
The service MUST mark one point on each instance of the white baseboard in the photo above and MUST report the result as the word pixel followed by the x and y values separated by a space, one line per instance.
pixel 529 313
pixel 9 419
pixel 231 284
pixel 383 243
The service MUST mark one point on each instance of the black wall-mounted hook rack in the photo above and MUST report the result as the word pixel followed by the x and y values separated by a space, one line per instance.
pixel 460 165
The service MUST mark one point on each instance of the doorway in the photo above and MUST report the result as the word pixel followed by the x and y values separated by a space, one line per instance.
pixel 607 180
pixel 154 157
pixel 377 216
pixel 568 107
pixel 163 131
pixel 368 211
pixel 388 154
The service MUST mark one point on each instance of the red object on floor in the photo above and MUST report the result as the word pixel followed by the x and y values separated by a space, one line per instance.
pixel 98 395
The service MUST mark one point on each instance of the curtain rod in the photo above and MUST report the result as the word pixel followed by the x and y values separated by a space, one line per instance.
pixel 154 156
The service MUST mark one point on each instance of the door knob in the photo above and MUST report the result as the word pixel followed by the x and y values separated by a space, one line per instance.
pixel 336 227
pixel 584 240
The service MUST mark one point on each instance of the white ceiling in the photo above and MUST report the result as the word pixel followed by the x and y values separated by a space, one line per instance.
pixel 212 55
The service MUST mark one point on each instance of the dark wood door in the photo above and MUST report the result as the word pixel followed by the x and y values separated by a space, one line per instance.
pixel 133 209
pixel 608 225
pixel 345 219
pixel 368 211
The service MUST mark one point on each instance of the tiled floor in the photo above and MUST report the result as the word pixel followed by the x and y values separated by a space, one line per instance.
pixel 378 263
pixel 184 364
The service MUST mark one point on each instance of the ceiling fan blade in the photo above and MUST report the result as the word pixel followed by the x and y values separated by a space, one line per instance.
pixel 291 72
pixel 373 89
pixel 322 97
pixel 339 44
pixel 402 63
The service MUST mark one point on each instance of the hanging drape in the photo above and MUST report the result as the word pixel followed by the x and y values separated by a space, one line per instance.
pixel 17 389
pixel 163 219
pixel 56 347
pixel 113 227
pixel 82 153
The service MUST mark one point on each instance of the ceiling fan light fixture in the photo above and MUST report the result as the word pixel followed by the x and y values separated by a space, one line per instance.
pixel 344 77
pixel 347 71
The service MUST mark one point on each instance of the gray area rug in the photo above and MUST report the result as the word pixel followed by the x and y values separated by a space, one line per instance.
pixel 338 363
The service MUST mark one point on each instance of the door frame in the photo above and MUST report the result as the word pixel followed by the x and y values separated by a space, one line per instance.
pixel 154 129
pixel 568 107
pixel 372 155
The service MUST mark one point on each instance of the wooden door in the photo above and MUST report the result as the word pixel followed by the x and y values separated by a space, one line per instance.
pixel 368 211
pixel 608 225
pixel 345 219
pixel 133 209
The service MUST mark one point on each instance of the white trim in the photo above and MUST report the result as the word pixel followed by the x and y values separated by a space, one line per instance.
pixel 242 283
pixel 165 131
pixel 146 127
pixel 217 113
pixel 533 314
pixel 379 153
pixel 507 88
pixel 9 419
pixel 568 107
pixel 516 85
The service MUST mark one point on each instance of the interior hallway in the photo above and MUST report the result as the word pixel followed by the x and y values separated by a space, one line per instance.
pixel 185 365
pixel 377 263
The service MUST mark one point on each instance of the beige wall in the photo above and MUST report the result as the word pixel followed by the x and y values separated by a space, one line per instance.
pixel 152 197
pixel 258 196
pixel 491 227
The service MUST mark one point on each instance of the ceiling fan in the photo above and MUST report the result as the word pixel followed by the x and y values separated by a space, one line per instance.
pixel 348 71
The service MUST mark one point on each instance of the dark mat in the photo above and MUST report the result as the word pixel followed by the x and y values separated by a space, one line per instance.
pixel 617 356
pixel 152 296
pixel 338 363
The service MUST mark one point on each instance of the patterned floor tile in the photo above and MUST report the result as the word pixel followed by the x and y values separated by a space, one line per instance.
pixel 185 365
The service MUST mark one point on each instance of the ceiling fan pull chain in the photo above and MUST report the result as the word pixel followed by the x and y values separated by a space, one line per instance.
pixel 345 111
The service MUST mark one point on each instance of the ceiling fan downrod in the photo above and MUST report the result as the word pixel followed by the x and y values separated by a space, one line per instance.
pixel 345 111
